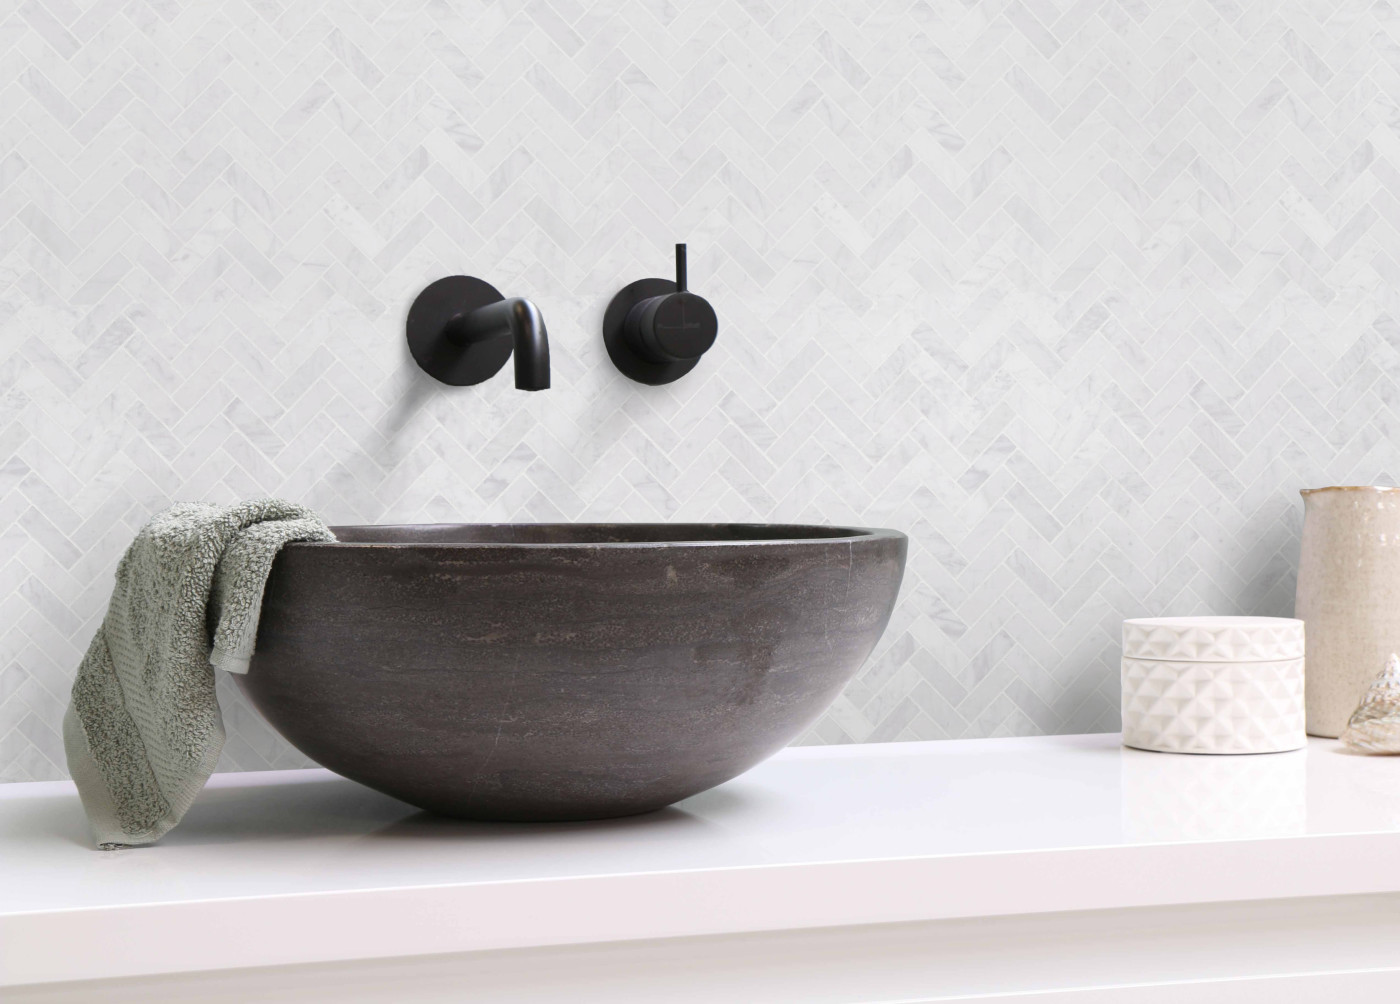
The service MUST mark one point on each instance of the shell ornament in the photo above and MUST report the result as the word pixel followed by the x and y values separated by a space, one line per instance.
pixel 1375 724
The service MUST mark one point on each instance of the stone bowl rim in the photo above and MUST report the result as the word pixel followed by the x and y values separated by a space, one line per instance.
pixel 846 534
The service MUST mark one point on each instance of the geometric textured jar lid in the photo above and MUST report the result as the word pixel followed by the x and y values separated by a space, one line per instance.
pixel 1213 639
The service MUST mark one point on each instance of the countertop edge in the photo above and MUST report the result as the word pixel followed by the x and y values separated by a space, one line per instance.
pixel 199 935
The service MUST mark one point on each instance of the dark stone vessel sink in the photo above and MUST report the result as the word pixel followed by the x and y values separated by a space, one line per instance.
pixel 563 671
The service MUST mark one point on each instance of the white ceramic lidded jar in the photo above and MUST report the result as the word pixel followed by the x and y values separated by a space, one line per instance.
pixel 1213 684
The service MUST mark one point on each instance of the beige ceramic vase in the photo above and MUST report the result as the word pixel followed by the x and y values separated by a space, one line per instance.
pixel 1348 597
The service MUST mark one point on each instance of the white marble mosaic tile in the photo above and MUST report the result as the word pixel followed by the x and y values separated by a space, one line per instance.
pixel 1078 294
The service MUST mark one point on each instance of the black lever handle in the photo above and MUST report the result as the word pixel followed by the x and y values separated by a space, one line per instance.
pixel 656 330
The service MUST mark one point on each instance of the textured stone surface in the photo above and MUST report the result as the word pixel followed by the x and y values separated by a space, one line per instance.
pixel 568 671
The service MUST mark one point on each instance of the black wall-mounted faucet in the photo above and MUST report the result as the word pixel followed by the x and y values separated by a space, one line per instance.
pixel 461 330
pixel 657 330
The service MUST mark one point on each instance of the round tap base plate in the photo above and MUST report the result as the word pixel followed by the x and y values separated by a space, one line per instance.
pixel 438 356
pixel 621 353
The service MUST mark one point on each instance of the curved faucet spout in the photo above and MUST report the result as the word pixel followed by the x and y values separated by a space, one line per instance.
pixel 517 318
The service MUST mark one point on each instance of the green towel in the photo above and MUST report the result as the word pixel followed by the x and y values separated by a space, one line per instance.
pixel 143 730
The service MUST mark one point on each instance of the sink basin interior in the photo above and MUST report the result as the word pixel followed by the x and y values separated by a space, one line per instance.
pixel 587 533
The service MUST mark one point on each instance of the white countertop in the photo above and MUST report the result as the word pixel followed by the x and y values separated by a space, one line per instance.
pixel 300 866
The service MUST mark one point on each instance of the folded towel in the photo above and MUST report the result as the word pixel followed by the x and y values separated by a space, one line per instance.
pixel 143 730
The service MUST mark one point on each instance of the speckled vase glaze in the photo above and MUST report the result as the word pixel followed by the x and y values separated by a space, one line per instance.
pixel 1348 595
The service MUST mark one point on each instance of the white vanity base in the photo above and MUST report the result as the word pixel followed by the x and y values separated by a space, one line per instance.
pixel 1061 869
pixel 1236 953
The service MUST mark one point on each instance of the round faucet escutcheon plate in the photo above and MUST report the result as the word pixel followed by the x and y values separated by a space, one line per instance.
pixel 432 310
pixel 624 357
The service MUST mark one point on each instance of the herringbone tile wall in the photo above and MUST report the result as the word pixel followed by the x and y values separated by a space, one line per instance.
pixel 1078 294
